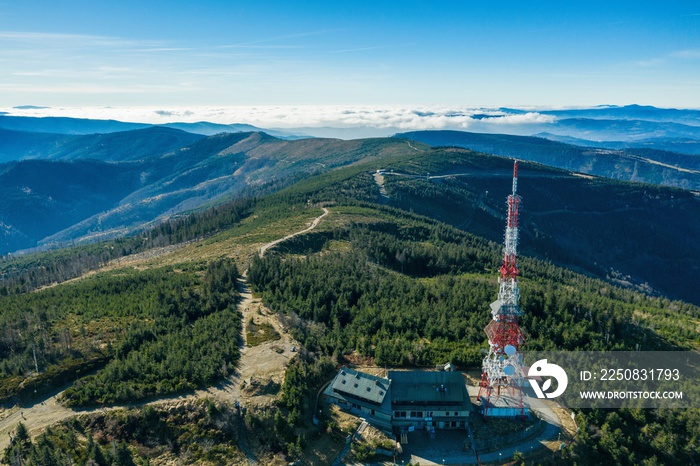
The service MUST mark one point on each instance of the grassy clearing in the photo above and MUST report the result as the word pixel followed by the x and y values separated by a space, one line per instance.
pixel 257 334
pixel 243 240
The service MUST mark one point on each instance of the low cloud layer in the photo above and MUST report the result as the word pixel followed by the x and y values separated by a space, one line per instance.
pixel 404 118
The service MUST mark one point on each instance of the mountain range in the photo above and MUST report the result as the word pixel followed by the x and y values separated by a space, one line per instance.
pixel 59 188
pixel 66 125
pixel 106 185
pixel 640 165
pixel 108 147
pixel 378 251
pixel 630 112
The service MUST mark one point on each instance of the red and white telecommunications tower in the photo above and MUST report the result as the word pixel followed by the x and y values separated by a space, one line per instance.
pixel 500 390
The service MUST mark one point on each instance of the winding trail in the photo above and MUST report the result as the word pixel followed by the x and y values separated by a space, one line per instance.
pixel 313 225
pixel 264 362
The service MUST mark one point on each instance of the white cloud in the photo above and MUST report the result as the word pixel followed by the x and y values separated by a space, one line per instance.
pixel 389 117
pixel 525 118
pixel 689 54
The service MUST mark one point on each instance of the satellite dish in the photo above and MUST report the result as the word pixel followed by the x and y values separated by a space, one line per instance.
pixel 509 370
pixel 510 350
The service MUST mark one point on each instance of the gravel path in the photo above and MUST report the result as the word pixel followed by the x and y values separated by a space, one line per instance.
pixel 263 362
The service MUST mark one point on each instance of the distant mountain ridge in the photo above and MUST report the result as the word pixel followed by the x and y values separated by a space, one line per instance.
pixel 66 125
pixel 632 123
pixel 678 145
pixel 633 130
pixel 35 194
pixel 122 146
pixel 118 146
pixel 632 112
pixel 656 167
pixel 16 145
pixel 84 126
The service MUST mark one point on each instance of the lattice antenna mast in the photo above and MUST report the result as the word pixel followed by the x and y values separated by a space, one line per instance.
pixel 508 292
pixel 502 376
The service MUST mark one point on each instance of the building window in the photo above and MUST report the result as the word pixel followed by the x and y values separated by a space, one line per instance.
pixel 447 413
pixel 456 413
pixel 372 412
pixel 416 413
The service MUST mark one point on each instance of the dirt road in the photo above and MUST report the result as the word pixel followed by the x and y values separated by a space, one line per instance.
pixel 313 225
pixel 259 368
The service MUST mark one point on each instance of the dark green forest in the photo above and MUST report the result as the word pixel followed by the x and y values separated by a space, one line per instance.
pixel 410 291
pixel 406 282
pixel 203 431
pixel 156 332
pixel 25 273
pixel 435 310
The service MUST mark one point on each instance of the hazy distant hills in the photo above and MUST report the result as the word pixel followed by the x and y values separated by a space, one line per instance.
pixel 632 112
pixel 641 165
pixel 625 130
pixel 118 146
pixel 675 130
pixel 39 197
pixel 49 201
pixel 678 145
pixel 15 145
pixel 66 125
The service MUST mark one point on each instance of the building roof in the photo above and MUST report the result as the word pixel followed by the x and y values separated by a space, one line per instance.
pixel 428 388
pixel 361 386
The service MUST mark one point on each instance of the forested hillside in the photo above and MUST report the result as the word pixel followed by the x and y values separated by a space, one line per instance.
pixel 631 234
pixel 122 146
pixel 158 331
pixel 640 165
pixel 404 290
pixel 400 279
pixel 126 185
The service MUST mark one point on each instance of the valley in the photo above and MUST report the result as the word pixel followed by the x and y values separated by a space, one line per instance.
pixel 86 199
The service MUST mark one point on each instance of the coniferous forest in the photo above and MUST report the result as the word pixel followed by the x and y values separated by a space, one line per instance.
pixel 156 332
pixel 375 279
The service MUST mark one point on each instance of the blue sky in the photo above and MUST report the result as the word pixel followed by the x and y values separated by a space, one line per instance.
pixel 476 53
